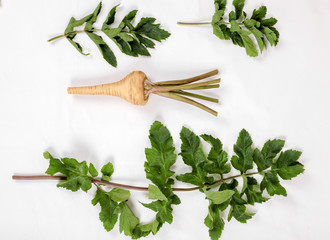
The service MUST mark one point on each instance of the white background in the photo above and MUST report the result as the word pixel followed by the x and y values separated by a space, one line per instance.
pixel 282 94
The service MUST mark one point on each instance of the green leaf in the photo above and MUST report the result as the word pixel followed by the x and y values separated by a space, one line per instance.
pixel 288 165
pixel 217 31
pixel 259 14
pixel 161 156
pixel 270 35
pixel 78 47
pixel 107 171
pixel 260 160
pixel 76 175
pixel 92 170
pixel 268 22
pixel 127 221
pixel 252 194
pixel 125 47
pixel 107 215
pixel 70 34
pixel 119 195
pixel 193 155
pixel 107 54
pixel 249 46
pixel 47 155
pixel 130 16
pixel 289 172
pixel 139 48
pixel 271 183
pixel 238 208
pixel 226 31
pixel 75 182
pixel 92 20
pixel 163 209
pixel 232 16
pixel 113 32
pixel 239 213
pixel 75 172
pixel 216 146
pixel 287 158
pixel 144 21
pixel 217 156
pixel 55 165
pixel 152 226
pixel 125 37
pixel 239 5
pixel 247 41
pixel 250 25
pixel 277 34
pixel 153 31
pixel 271 148
pixel 76 23
pixel 219 197
pixel 217 16
pixel 264 158
pixel 110 18
pixel 236 39
pixel 145 41
pixel 245 182
pixel 126 22
pixel 214 222
pixel 220 4
pixel 155 193
pixel 244 160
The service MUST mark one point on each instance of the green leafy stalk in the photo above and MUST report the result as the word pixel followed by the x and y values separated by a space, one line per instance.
pixel 216 164
pixel 207 174
pixel 131 40
pixel 160 158
pixel 241 28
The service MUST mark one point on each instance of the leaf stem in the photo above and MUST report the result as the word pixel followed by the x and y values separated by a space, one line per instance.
pixel 73 32
pixel 97 182
pixel 205 23
pixel 194 23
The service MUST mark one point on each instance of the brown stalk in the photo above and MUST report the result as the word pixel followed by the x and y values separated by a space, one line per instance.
pixel 113 184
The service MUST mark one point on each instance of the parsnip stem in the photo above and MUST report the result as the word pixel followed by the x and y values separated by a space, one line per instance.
pixel 183 87
pixel 196 96
pixel 206 87
pixel 187 100
pixel 188 80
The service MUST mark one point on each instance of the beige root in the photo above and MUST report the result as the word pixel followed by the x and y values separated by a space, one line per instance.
pixel 130 88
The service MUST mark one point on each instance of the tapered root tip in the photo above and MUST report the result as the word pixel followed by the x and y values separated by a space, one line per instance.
pixel 70 90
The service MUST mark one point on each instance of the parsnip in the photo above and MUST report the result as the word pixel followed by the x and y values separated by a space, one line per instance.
pixel 136 88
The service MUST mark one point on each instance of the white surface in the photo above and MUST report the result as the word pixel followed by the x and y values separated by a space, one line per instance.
pixel 284 93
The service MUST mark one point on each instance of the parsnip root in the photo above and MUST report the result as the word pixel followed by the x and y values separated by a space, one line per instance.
pixel 136 88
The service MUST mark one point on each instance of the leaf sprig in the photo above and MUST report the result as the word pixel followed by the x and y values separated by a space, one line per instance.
pixel 211 174
pixel 241 27
pixel 131 40
pixel 271 162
